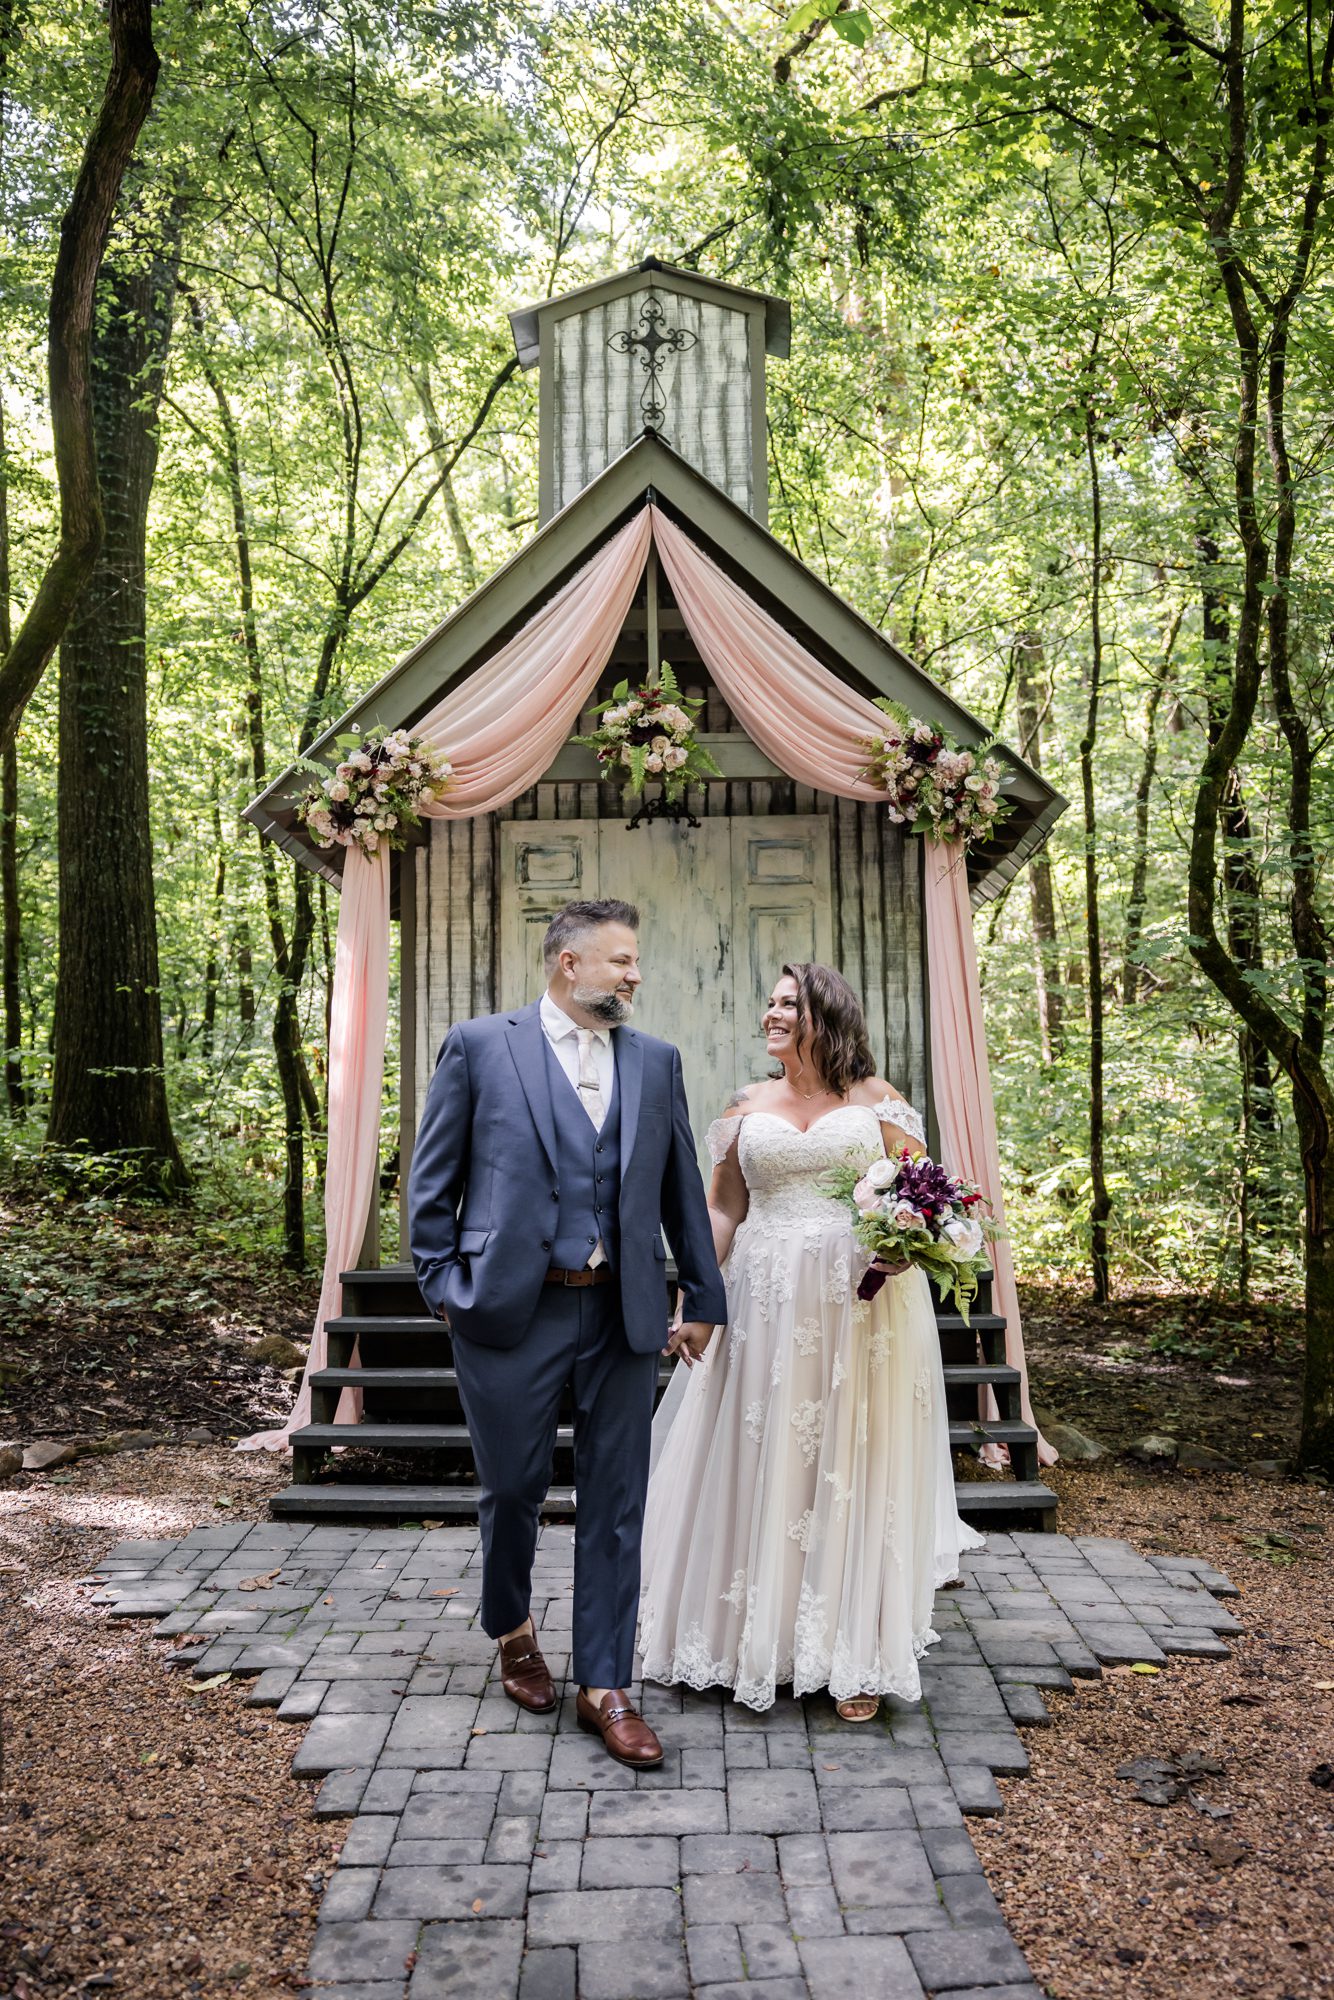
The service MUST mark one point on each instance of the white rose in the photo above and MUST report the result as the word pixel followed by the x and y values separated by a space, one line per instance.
pixel 906 1216
pixel 659 745
pixel 964 1237
pixel 674 758
pixel 653 762
pixel 882 1173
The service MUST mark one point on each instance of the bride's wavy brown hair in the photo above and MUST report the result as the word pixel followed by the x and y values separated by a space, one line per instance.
pixel 832 1026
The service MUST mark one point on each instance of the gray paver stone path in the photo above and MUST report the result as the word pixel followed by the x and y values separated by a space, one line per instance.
pixel 784 1856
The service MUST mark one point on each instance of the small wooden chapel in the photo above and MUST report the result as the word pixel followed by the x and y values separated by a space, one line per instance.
pixel 651 396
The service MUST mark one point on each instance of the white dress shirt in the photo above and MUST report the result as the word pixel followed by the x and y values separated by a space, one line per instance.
pixel 563 1035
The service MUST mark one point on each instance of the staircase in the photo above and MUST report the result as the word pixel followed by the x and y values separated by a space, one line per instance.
pixel 412 1417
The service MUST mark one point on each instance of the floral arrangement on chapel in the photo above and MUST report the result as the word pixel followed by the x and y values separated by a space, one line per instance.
pixel 375 793
pixel 649 732
pixel 909 1210
pixel 931 783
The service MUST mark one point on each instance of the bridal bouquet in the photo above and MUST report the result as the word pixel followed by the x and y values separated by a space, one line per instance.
pixel 909 1210
pixel 650 733
pixel 376 792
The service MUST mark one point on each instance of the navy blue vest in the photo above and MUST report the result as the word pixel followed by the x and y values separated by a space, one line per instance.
pixel 588 1173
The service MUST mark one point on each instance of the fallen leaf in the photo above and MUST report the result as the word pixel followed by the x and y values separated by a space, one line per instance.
pixel 1209 1811
pixel 453 1591
pixel 265 1582
pixel 1221 1849
pixel 1243 1701
pixel 1143 1667
pixel 1324 1687
pixel 213 1681
pixel 477 1906
pixel 480 1730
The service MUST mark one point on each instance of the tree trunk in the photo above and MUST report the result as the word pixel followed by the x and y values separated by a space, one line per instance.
pixel 1316 1450
pixel 245 980
pixel 83 239
pixel 11 950
pixel 213 968
pixel 109 1091
pixel 1135 983
pixel 1100 1206
pixel 1032 694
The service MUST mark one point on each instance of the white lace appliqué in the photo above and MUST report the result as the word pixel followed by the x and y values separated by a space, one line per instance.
pixel 736 1596
pixel 840 1373
pixel 921 1389
pixel 755 1422
pixel 799 1531
pixel 897 1111
pixel 721 1137
pixel 806 1336
pixel 808 1422
pixel 834 1289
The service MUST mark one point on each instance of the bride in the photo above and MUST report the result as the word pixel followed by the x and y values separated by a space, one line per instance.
pixel 801 1505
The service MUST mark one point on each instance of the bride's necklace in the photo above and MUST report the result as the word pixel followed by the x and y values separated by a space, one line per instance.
pixel 821 1090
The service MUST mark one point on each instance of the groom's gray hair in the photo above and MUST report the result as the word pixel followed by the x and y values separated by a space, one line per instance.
pixel 570 926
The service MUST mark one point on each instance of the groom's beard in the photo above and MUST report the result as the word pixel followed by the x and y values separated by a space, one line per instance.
pixel 609 1007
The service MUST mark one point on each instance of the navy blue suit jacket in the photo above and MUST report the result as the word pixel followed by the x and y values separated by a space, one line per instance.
pixel 484 1170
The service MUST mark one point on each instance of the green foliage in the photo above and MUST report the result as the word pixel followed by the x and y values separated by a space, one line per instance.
pixel 996 235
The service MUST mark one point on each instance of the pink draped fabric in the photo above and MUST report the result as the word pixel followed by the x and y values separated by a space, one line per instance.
pixel 961 1078
pixel 501 730
pixel 358 1015
pixel 802 716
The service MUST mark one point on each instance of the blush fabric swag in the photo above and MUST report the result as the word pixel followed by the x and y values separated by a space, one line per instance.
pixel 502 730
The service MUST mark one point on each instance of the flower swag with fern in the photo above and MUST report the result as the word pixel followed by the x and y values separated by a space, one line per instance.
pixel 649 732
pixel 931 783
pixel 375 794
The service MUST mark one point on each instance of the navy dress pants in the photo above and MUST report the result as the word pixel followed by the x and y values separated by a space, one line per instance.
pixel 511 1398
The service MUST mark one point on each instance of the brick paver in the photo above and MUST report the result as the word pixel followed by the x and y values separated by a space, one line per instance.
pixel 789 1855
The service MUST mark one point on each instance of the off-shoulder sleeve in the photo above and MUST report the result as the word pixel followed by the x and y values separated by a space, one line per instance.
pixel 721 1137
pixel 898 1112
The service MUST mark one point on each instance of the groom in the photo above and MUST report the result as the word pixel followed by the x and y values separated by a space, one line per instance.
pixel 554 1149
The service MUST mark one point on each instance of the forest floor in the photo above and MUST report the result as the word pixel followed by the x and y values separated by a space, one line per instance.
pixel 153 1841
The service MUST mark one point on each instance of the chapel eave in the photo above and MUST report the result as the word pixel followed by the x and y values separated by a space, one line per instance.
pixel 834 630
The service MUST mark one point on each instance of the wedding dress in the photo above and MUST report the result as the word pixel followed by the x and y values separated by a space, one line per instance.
pixel 801 1503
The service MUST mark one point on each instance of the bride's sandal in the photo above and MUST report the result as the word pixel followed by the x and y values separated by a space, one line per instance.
pixel 861 1708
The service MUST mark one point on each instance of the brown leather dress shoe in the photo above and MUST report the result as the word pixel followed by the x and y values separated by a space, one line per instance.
pixel 621 1727
pixel 524 1675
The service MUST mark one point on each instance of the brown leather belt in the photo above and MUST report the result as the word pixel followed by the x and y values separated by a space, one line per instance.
pixel 601 1276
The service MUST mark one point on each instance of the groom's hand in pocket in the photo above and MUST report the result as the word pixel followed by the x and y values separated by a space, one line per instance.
pixel 689 1339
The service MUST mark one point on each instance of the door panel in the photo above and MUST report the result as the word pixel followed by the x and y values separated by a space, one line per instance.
pixel 780 915
pixel 721 906
pixel 544 864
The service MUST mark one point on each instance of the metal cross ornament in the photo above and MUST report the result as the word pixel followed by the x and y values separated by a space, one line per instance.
pixel 651 345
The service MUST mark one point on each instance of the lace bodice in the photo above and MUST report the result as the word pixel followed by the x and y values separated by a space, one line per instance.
pixel 783 1166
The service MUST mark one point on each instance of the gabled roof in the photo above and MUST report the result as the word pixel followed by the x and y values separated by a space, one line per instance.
pixel 769 572
pixel 526 320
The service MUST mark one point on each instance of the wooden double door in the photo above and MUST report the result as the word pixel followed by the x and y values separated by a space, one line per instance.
pixel 722 907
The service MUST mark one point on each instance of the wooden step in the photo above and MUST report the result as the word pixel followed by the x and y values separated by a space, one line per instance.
pixel 978 1322
pixel 980 1375
pixel 345 1501
pixel 411 1379
pixel 377 1325
pixel 1028 1502
pixel 966 1436
pixel 383 1437
pixel 984 1500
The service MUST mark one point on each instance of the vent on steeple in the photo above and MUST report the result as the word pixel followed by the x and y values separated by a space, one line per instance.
pixel 654 349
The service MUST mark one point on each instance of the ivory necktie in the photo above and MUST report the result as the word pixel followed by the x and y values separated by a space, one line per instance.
pixel 590 1090
pixel 590 1096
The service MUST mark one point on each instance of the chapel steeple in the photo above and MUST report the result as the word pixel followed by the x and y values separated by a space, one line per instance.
pixel 654 349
